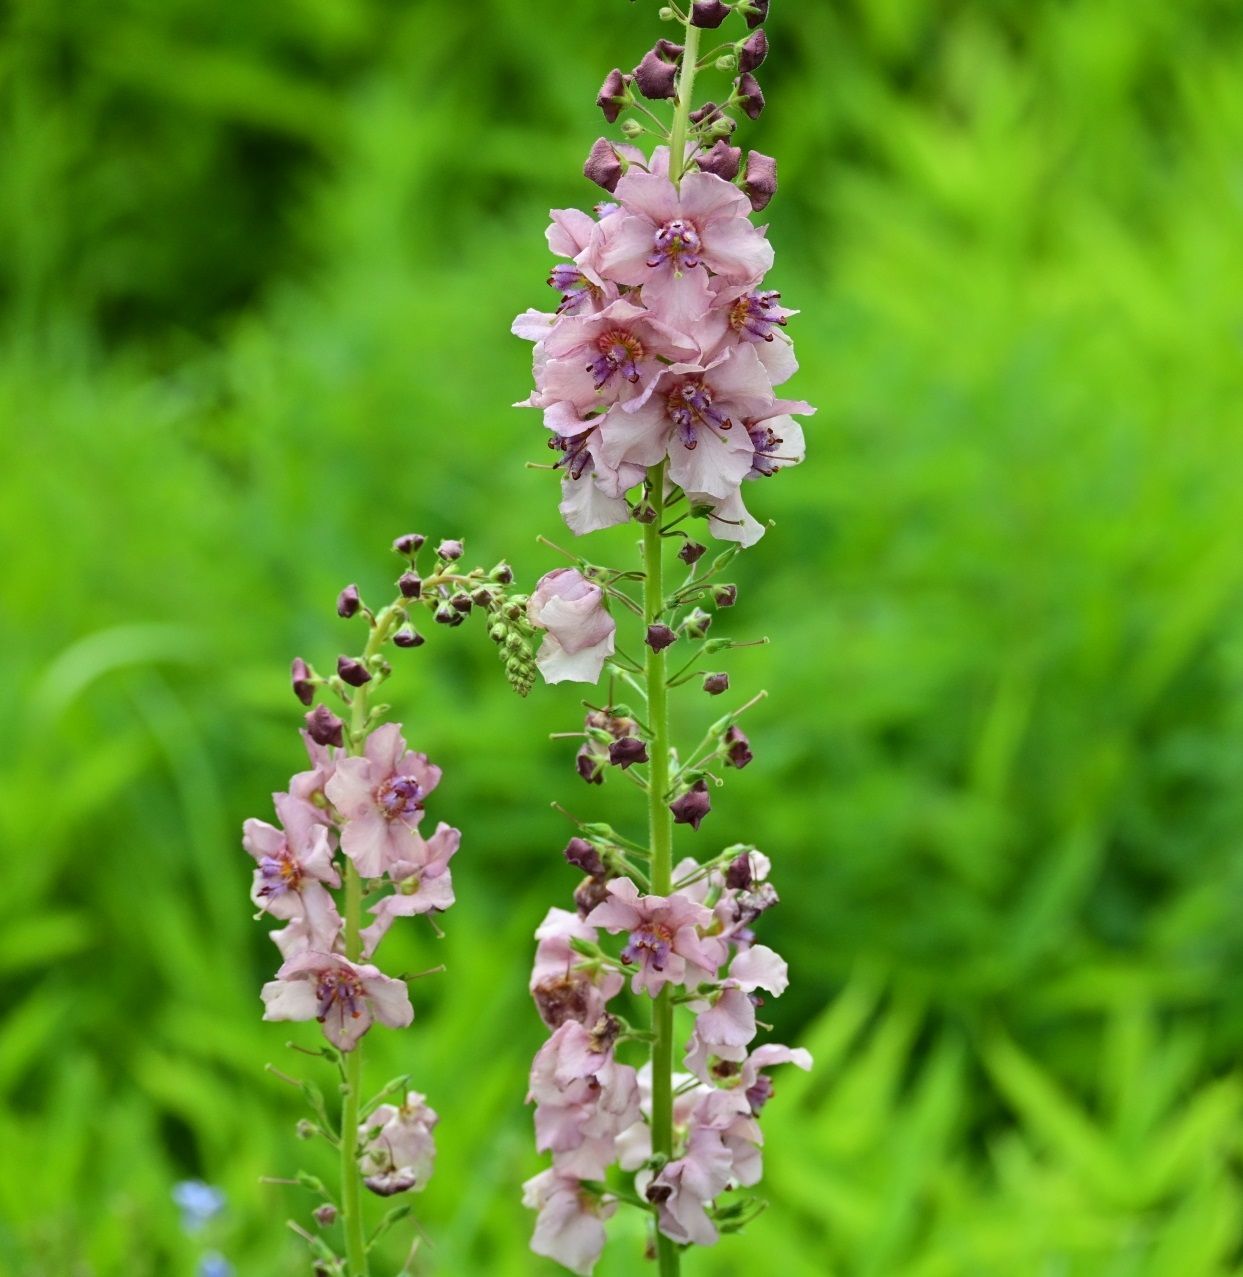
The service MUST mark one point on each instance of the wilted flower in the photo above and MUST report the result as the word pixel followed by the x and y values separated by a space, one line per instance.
pixel 398 1148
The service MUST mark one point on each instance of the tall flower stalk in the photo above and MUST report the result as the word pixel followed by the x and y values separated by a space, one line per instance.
pixel 656 378
pixel 349 840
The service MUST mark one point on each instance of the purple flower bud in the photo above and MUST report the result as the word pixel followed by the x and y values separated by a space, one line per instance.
pixel 738 876
pixel 645 513
pixel 302 680
pixel 737 748
pixel 725 595
pixel 708 14
pixel 410 584
pixel 585 856
pixel 723 160
pixel 449 550
pixel 760 182
pixel 715 684
pixel 628 750
pixel 325 1215
pixel 324 727
pixel 604 166
pixel 706 113
pixel 445 615
pixel 692 552
pixel 660 637
pixel 502 574
pixel 752 51
pixel 755 12
pixel 749 95
pixel 409 544
pixel 461 603
pixel 482 597
pixel 657 75
pixel 693 806
pixel 353 672
pixel 408 636
pixel 348 602
pixel 614 94
pixel 589 765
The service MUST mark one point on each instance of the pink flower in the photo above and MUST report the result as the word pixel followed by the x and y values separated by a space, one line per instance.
pixel 343 997
pixel 664 936
pixel 563 984
pixel 583 1100
pixel 725 1025
pixel 667 241
pixel 570 1226
pixel 301 935
pixel 580 630
pixel 697 419
pixel 380 801
pixel 308 787
pixel 423 884
pixel 742 313
pixel 397 1146
pixel 294 864
pixel 686 1187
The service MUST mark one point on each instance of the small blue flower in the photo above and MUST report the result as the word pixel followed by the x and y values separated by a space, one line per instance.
pixel 200 1203
pixel 214 1264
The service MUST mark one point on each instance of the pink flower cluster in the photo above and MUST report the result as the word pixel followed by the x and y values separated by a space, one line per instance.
pixel 665 347
pixel 592 1111
pixel 368 809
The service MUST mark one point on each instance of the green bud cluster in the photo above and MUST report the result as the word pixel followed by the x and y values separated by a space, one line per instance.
pixel 515 638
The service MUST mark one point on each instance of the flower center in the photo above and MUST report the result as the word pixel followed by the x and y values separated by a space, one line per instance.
pixel 678 244
pixel 620 352
pixel 756 314
pixel 766 444
pixel 689 405
pixel 399 798
pixel 649 945
pixel 280 873
pixel 339 989
pixel 575 288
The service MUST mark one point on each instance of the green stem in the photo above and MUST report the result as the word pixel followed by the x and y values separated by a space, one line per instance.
pixel 351 1180
pixel 682 111
pixel 660 829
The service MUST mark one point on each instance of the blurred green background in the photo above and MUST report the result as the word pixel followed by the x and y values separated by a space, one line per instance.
pixel 258 263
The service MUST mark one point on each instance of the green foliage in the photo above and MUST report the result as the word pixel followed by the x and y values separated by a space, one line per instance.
pixel 258 264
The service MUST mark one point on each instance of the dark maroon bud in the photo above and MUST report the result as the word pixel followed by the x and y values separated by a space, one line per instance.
pixel 737 748
pixel 692 552
pixel 722 161
pixel 693 806
pixel 391 1183
pixel 407 636
pixel 449 550
pixel 324 727
pixel 706 113
pixel 325 1215
pixel 585 856
pixel 755 12
pixel 628 750
pixel 738 876
pixel 483 597
pixel 715 684
pixel 503 574
pixel 657 1192
pixel 353 672
pixel 657 75
pixel 708 14
pixel 614 94
pixel 749 95
pixel 660 637
pixel 409 544
pixel 589 893
pixel 645 513
pixel 752 52
pixel 348 602
pixel 589 765
pixel 444 615
pixel 604 166
pixel 461 603
pixel 301 680
pixel 760 182
pixel 410 584
pixel 697 624
pixel 725 595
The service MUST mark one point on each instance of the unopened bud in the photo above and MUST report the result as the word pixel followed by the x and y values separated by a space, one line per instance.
pixel 725 595
pixel 760 181
pixel 461 603
pixel 352 671
pixel 410 584
pixel 749 95
pixel 691 552
pixel 324 727
pixel 449 550
pixel 302 680
pixel 325 1215
pixel 723 128
pixel 614 94
pixel 715 684
pixel 698 624
pixel 726 62
pixel 752 51
pixel 708 14
pixel 657 75
pixel 737 748
pixel 482 597
pixel 409 544
pixel 738 877
pixel 502 574
pixel 306 1130
pixel 408 636
pixel 693 806
pixel 667 14
pixel 589 765
pixel 660 637
pixel 755 12
pixel 585 856
pixel 348 602
pixel 445 615
pixel 706 114
pixel 632 129
pixel 497 633
pixel 723 161
pixel 627 751
pixel 603 165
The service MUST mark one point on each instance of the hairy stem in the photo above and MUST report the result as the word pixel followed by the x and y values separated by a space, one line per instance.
pixel 660 830
pixel 685 101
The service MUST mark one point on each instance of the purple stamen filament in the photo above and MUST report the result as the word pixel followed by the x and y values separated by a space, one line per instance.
pixel 620 351
pixel 690 405
pixel 398 798
pixel 677 243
